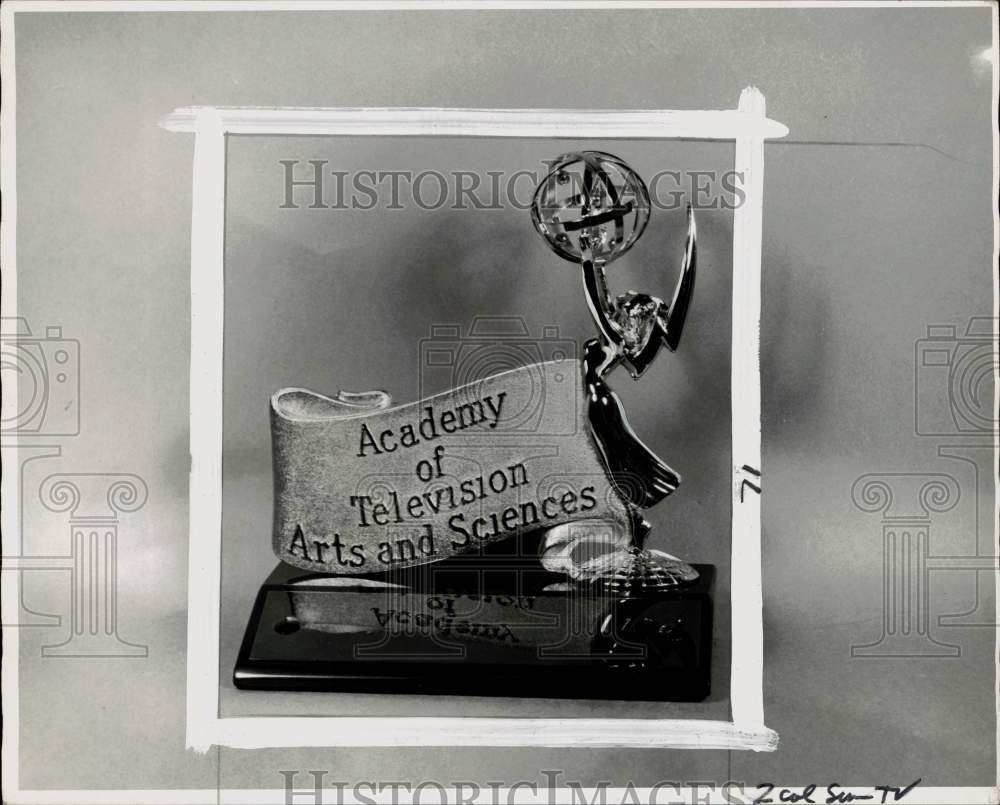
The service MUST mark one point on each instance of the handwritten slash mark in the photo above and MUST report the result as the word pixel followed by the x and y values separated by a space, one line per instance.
pixel 745 483
pixel 897 793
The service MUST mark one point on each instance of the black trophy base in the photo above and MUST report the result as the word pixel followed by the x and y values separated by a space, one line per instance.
pixel 509 631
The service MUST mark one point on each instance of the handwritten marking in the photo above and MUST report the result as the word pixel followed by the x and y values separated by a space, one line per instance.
pixel 746 468
pixel 835 793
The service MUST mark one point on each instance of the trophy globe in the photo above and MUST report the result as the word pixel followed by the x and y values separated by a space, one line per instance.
pixel 590 202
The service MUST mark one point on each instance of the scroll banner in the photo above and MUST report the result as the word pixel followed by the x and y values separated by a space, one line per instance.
pixel 364 488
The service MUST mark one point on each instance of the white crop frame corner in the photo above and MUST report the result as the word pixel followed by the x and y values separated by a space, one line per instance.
pixel 747 126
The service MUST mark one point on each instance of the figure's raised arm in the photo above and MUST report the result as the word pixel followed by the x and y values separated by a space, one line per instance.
pixel 671 320
pixel 599 301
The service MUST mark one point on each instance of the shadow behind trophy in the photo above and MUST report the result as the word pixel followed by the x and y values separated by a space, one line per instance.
pixel 553 594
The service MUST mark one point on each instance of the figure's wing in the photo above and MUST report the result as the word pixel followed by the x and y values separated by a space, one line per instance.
pixel 672 322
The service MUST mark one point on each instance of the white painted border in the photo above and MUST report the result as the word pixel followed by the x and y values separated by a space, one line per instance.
pixel 745 585
pixel 208 218
pixel 658 124
pixel 748 127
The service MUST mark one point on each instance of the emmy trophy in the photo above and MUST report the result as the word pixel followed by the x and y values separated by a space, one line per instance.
pixel 431 547
pixel 591 209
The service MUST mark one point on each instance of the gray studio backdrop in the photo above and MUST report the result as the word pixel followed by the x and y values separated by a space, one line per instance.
pixel 355 299
pixel 877 224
